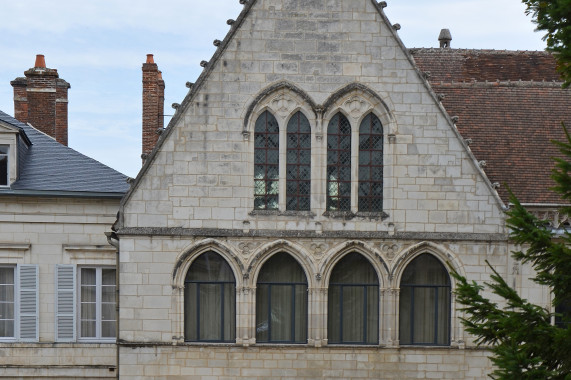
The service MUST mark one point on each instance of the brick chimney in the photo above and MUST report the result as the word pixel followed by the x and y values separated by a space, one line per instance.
pixel 153 105
pixel 40 99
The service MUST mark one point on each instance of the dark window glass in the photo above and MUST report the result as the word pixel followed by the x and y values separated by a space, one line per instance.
pixel 563 313
pixel 266 162
pixel 210 300
pixel 425 303
pixel 371 164
pixel 3 165
pixel 339 164
pixel 298 175
pixel 353 307
pixel 281 301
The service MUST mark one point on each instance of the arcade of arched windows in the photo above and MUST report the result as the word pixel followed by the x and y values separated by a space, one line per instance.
pixel 352 298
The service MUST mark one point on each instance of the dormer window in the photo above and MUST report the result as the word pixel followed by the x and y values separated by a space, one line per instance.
pixel 4 172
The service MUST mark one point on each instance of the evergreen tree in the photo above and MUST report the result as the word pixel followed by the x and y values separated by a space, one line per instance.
pixel 554 17
pixel 524 342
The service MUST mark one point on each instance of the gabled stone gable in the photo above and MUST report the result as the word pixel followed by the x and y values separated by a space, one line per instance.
pixel 320 58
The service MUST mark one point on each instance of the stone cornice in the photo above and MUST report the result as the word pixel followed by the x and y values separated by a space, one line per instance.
pixel 208 232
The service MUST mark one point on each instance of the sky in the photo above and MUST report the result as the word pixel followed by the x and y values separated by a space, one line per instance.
pixel 99 47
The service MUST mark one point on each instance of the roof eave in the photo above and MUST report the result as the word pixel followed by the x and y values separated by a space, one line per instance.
pixel 60 194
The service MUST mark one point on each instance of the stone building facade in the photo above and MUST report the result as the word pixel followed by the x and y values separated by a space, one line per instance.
pixel 57 269
pixel 301 212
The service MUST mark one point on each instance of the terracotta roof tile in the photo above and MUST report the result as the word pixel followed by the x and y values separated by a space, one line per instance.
pixel 511 124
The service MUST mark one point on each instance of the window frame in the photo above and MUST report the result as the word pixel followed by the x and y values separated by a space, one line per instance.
pixel 432 287
pixel 366 288
pixel 292 286
pixel 371 166
pixel 222 316
pixel 267 182
pixel 337 150
pixel 98 304
pixel 296 120
pixel 15 305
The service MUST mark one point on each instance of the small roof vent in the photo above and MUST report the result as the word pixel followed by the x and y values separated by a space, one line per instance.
pixel 445 37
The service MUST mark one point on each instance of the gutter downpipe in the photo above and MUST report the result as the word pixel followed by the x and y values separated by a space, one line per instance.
pixel 113 239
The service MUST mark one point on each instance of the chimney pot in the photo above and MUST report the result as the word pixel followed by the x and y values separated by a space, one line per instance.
pixel 445 37
pixel 150 58
pixel 40 61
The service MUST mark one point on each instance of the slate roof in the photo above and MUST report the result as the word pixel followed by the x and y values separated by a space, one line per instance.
pixel 48 166
pixel 511 105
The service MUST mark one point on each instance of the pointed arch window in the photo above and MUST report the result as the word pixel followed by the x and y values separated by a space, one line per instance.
pixel 339 164
pixel 353 304
pixel 266 162
pixel 424 317
pixel 298 170
pixel 281 301
pixel 371 164
pixel 210 300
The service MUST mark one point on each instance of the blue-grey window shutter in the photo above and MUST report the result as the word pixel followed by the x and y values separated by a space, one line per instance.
pixel 29 302
pixel 65 303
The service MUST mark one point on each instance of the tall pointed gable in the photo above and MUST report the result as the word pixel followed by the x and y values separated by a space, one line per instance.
pixel 321 59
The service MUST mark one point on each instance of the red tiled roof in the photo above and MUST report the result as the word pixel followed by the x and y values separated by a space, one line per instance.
pixel 511 123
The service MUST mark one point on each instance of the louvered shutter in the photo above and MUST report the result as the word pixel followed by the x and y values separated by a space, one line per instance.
pixel 29 302
pixel 65 303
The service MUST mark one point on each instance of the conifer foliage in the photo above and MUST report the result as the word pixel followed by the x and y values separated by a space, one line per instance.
pixel 554 17
pixel 525 343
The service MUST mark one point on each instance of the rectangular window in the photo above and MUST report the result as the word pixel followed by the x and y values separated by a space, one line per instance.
pixel 4 181
pixel 97 303
pixel 7 302
pixel 19 303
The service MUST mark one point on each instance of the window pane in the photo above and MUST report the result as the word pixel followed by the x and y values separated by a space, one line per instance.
pixel 210 300
pixel 88 329
pixel 6 328
pixel 353 302
pixel 88 311
pixel 108 329
pixel 108 276
pixel 88 293
pixel 282 268
pixel 370 164
pixel 190 311
pixel 563 311
pixel 281 313
pixel 298 162
pixel 262 312
pixel 3 170
pixel 210 312
pixel 266 156
pixel 281 301
pixel 425 302
pixel 339 164
pixel 88 276
pixel 353 314
pixel 425 270
pixel 210 267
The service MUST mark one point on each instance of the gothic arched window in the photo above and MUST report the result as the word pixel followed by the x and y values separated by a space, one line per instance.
pixel 210 300
pixel 353 306
pixel 339 164
pixel 371 164
pixel 298 171
pixel 266 162
pixel 425 303
pixel 281 301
